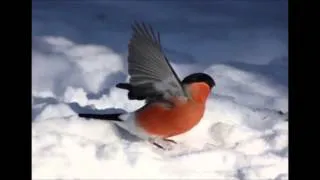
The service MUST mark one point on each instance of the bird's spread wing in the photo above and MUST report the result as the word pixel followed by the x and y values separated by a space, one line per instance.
pixel 151 75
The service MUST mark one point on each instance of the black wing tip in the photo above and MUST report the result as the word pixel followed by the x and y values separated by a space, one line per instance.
pixel 132 91
pixel 126 86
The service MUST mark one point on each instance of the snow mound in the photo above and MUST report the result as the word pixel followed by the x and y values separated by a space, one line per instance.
pixel 58 63
pixel 79 54
pixel 233 140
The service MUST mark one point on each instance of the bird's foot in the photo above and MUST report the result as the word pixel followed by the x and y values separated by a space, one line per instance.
pixel 159 146
pixel 170 140
pixel 164 144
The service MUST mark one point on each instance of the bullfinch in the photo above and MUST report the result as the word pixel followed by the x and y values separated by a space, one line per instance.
pixel 172 106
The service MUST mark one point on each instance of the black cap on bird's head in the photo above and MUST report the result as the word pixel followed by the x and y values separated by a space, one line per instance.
pixel 199 77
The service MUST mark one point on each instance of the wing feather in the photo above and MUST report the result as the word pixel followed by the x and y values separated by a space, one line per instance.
pixel 151 74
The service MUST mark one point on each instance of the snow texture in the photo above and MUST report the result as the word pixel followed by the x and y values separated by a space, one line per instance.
pixel 79 51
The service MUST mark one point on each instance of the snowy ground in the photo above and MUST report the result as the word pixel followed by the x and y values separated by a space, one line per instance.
pixel 79 54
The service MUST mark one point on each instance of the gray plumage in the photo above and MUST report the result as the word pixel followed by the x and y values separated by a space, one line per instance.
pixel 151 75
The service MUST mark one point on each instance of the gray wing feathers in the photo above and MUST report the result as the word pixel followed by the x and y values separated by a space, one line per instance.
pixel 148 65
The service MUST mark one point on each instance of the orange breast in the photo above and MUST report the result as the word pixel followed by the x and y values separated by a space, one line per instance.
pixel 165 122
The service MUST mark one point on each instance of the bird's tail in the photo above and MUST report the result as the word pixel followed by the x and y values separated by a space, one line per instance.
pixel 105 117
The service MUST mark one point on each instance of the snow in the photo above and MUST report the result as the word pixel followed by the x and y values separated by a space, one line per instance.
pixel 79 53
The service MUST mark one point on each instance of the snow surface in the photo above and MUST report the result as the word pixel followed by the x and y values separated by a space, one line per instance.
pixel 79 53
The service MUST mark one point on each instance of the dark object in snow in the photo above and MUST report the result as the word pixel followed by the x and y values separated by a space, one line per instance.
pixel 280 112
pixel 107 117
pixel 283 114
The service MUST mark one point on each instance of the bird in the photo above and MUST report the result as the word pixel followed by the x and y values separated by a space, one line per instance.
pixel 172 106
